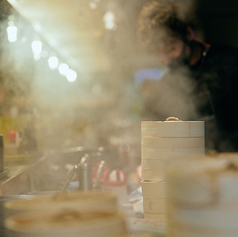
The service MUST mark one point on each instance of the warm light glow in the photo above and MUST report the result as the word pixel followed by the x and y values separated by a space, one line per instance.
pixel 11 18
pixel 37 57
pixel 12 33
pixel 71 75
pixel 110 25
pixel 23 39
pixel 109 19
pixel 36 47
pixel 53 62
pixel 44 54
pixel 93 5
pixel 37 26
pixel 63 69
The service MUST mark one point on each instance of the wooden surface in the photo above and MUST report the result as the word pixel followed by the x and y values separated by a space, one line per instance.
pixel 16 182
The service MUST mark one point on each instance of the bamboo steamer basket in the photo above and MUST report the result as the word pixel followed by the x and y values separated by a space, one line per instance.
pixel 172 127
pixel 202 195
pixel 155 163
pixel 163 153
pixel 153 169
pixel 154 205
pixel 162 140
pixel 153 174
pixel 173 143
pixel 201 180
pixel 196 232
pixel 157 217
pixel 153 189
pixel 67 222
pixel 210 218
pixel 77 200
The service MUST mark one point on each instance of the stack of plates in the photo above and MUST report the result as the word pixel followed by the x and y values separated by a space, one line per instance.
pixel 202 197
pixel 161 141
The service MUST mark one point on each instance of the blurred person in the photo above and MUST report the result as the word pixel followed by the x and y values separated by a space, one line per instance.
pixel 212 69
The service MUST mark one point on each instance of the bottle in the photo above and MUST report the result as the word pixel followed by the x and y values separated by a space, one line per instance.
pixel 85 174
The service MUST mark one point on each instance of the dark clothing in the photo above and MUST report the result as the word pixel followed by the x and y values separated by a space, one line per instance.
pixel 216 96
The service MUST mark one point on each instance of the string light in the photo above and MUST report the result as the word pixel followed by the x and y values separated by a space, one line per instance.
pixel 36 47
pixel 63 69
pixel 71 75
pixel 109 19
pixel 12 33
pixel 93 5
pixel 53 62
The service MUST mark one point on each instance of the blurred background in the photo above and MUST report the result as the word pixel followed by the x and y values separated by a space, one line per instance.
pixel 73 73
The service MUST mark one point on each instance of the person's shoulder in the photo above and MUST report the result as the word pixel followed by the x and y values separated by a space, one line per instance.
pixel 223 49
pixel 224 55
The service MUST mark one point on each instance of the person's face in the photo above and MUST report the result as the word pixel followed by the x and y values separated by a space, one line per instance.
pixel 172 53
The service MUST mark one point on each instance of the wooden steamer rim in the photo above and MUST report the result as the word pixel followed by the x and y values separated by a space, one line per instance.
pixel 153 164
pixel 153 174
pixel 164 153
pixel 153 189
pixel 207 180
pixel 155 205
pixel 173 142
pixel 157 217
pixel 172 127
pixel 77 200
pixel 87 223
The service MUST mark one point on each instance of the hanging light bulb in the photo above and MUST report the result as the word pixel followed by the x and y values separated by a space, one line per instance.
pixel 63 69
pixel 109 16
pixel 71 75
pixel 109 20
pixel 36 47
pixel 12 33
pixel 93 5
pixel 53 62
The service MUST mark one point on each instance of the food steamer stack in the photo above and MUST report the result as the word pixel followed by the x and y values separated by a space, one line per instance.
pixel 88 214
pixel 160 142
pixel 202 196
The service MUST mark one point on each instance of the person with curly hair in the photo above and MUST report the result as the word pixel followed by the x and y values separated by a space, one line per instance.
pixel 213 69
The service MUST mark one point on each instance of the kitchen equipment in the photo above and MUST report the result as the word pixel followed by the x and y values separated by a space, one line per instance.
pixel 85 173
pixel 3 172
pixel 116 183
pixel 100 170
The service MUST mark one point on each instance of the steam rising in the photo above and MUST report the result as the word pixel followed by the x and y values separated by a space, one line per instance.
pixel 170 97
pixel 98 109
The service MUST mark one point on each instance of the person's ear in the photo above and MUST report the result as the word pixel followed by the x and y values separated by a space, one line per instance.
pixel 190 34
pixel 176 48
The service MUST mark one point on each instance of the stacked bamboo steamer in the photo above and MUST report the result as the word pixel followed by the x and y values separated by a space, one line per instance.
pixel 87 214
pixel 161 141
pixel 68 222
pixel 75 200
pixel 203 196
